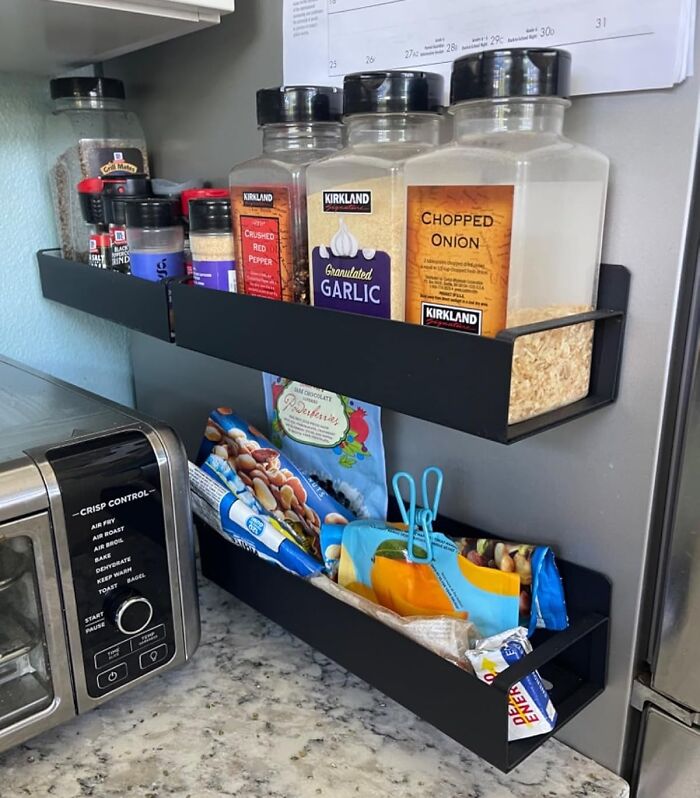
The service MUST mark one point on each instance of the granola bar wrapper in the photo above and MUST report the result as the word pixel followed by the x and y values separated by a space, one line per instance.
pixel 530 710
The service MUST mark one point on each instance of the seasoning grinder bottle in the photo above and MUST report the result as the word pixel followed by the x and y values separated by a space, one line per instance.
pixel 93 213
pixel 116 193
pixel 156 238
pixel 513 213
pixel 211 242
pixel 300 124
pixel 356 198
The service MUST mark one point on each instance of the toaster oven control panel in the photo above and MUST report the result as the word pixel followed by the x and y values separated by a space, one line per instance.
pixel 117 539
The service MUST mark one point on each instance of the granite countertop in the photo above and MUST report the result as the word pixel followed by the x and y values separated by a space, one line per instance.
pixel 259 713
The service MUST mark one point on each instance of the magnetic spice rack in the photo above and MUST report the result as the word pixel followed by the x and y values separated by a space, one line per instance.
pixel 472 712
pixel 458 381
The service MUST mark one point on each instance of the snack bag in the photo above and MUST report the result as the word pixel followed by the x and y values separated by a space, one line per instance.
pixel 374 563
pixel 530 710
pixel 542 603
pixel 335 440
pixel 233 518
pixel 235 453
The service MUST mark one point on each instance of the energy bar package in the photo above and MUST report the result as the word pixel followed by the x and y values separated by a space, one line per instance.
pixel 530 710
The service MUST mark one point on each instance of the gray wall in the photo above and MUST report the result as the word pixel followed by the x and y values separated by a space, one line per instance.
pixel 585 487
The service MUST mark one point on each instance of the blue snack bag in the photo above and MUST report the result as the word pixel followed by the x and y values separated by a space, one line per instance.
pixel 333 439
pixel 241 458
pixel 239 522
pixel 542 602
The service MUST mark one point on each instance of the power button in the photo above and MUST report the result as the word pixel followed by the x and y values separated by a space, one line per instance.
pixel 108 679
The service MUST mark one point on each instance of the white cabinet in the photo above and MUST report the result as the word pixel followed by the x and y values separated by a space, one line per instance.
pixel 50 36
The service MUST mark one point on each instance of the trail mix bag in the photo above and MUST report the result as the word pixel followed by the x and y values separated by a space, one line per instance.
pixel 333 439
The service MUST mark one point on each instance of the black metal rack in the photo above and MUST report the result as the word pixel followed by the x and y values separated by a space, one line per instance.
pixel 456 702
pixel 136 304
pixel 457 381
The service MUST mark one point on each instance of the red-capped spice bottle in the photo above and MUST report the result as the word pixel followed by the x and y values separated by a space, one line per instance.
pixel 92 209
pixel 186 197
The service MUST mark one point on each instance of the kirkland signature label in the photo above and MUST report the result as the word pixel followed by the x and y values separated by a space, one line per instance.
pixel 451 318
pixel 347 202
pixel 258 199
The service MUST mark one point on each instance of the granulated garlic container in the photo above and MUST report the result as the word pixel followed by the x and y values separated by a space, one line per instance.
pixel 300 124
pixel 211 243
pixel 504 224
pixel 356 198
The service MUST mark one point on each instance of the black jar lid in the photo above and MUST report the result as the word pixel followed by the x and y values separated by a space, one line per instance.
pixel 87 88
pixel 116 191
pixel 519 72
pixel 153 212
pixel 290 104
pixel 392 92
pixel 210 215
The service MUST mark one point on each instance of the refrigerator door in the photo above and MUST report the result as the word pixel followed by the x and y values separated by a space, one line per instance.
pixel 670 763
pixel 676 648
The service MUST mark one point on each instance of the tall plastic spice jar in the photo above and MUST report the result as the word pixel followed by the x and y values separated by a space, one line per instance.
pixel 300 124
pixel 156 238
pixel 116 192
pixel 211 242
pixel 504 224
pixel 356 198
pixel 90 133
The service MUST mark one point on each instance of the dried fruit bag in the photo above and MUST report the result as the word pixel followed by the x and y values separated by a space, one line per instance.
pixel 237 454
pixel 542 604
pixel 335 440
pixel 374 563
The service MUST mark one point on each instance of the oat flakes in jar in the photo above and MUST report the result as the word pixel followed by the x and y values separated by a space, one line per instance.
pixel 504 224
pixel 356 198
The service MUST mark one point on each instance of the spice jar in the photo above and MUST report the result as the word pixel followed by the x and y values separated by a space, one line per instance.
pixel 90 133
pixel 356 198
pixel 505 223
pixel 156 238
pixel 185 197
pixel 300 124
pixel 93 214
pixel 211 241
pixel 115 194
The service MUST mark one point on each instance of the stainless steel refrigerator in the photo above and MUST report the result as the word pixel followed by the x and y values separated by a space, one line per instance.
pixel 665 739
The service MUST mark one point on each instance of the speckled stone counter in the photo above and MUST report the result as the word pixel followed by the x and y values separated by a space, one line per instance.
pixel 259 713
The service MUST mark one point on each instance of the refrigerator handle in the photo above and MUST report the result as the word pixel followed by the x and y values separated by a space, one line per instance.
pixel 642 694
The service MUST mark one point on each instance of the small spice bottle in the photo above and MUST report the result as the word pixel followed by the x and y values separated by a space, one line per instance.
pixel 156 238
pixel 115 194
pixel 187 195
pixel 300 124
pixel 504 224
pixel 211 242
pixel 356 198
pixel 93 213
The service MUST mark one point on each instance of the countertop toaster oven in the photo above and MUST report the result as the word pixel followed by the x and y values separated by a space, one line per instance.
pixel 97 576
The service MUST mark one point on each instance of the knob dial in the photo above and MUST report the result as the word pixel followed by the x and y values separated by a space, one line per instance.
pixel 131 614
